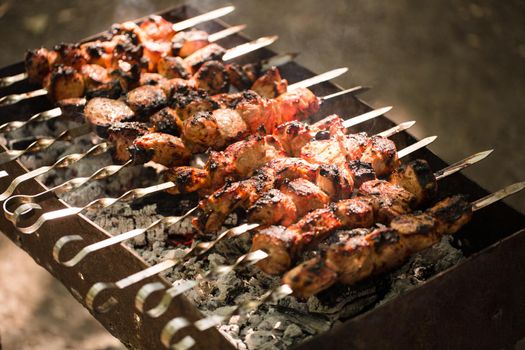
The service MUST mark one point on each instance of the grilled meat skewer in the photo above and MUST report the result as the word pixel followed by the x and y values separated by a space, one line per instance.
pixel 242 158
pixel 128 42
pixel 333 176
pixel 378 201
pixel 358 255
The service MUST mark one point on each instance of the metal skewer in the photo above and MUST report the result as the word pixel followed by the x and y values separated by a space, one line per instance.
pixel 60 163
pixel 205 17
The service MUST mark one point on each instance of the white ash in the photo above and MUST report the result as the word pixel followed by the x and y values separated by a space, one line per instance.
pixel 274 325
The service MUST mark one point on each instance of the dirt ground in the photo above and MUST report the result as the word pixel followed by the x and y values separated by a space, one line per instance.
pixel 457 67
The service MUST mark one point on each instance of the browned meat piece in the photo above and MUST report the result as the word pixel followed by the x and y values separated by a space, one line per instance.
pixel 297 104
pixel 173 67
pixel 417 178
pixel 100 52
pixel 212 77
pixel 211 52
pixel 382 154
pixel 451 214
pixel 104 112
pixel 187 42
pixel 270 84
pixel 128 75
pixel 294 135
pixel 354 145
pixel 38 64
pixel 167 121
pixel 416 230
pixel 310 277
pixel 239 160
pixel 323 152
pixel 177 85
pixel 189 101
pixel 122 135
pixel 231 100
pixel 313 228
pixel 336 181
pixel 161 148
pixel 273 207
pixel 393 200
pixel 284 206
pixel 187 179
pixel 216 208
pixel 214 129
pixel 157 28
pixel 305 195
pixel 361 172
pixel 276 241
pixel 94 75
pixel 69 54
pixel 239 77
pixel 145 100
pixel 64 82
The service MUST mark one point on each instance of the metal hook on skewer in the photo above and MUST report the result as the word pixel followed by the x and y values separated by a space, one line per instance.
pixel 101 203
pixel 97 288
pixel 44 143
pixel 60 163
pixel 27 203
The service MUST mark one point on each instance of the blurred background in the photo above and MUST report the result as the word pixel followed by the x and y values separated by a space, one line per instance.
pixel 457 67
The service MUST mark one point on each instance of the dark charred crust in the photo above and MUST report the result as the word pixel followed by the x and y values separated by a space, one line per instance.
pixel 140 155
pixel 455 207
pixel 184 96
pixel 361 171
pixel 146 100
pixel 212 76
pixel 111 90
pixel 166 121
pixel 129 129
pixel 94 50
pixel 384 237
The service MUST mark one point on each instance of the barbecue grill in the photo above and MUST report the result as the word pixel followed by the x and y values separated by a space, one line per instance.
pixel 477 303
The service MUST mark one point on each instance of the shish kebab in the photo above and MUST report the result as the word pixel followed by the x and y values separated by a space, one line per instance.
pixel 150 29
pixel 377 201
pixel 353 256
pixel 358 254
pixel 212 75
pixel 322 158
pixel 242 158
pixel 72 81
pixel 112 169
pixel 67 82
pixel 168 149
pixel 128 195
